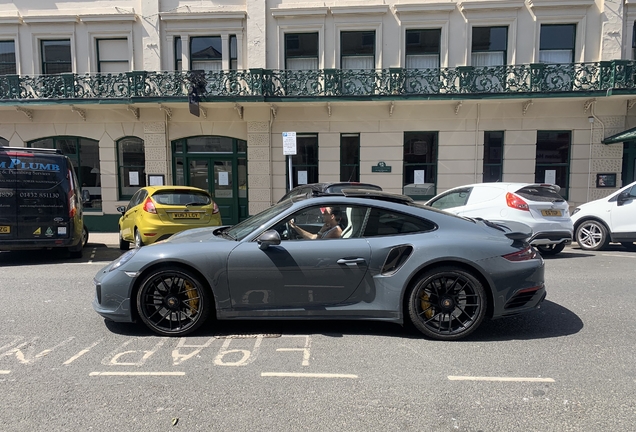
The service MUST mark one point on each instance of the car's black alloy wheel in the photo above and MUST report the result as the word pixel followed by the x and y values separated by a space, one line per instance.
pixel 591 235
pixel 173 302
pixel 447 303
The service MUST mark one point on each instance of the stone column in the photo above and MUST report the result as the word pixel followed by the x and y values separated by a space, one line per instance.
pixel 151 40
pixel 256 29
pixel 155 148
pixel 259 177
pixel 612 33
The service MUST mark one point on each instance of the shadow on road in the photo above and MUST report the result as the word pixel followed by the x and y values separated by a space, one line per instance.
pixel 92 252
pixel 552 320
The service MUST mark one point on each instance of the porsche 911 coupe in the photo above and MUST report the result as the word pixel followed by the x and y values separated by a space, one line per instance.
pixel 394 260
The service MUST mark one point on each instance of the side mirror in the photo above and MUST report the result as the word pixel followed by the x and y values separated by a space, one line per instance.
pixel 121 209
pixel 623 197
pixel 267 239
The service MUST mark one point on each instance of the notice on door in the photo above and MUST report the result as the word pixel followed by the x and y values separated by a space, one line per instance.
pixel 223 179
pixel 133 178
pixel 550 176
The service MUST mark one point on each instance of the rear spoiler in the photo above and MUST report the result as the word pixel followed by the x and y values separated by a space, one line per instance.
pixel 515 231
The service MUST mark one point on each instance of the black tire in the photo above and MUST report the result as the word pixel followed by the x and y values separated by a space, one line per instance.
pixel 84 236
pixel 551 249
pixel 630 246
pixel 447 303
pixel 123 244
pixel 138 241
pixel 76 253
pixel 173 302
pixel 591 235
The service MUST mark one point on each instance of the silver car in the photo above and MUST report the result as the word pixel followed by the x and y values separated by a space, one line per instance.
pixel 540 206
pixel 395 261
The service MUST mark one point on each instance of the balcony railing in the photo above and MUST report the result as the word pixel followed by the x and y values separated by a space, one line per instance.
pixel 536 80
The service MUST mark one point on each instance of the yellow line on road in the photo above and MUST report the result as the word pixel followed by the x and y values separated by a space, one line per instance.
pixel 511 379
pixel 307 375
pixel 136 374
pixel 619 256
pixel 4 372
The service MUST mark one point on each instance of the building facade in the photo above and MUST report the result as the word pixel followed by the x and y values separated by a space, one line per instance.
pixel 415 96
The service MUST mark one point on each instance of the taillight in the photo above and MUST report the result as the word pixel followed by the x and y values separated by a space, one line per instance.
pixel 149 206
pixel 515 202
pixel 215 210
pixel 522 255
pixel 72 206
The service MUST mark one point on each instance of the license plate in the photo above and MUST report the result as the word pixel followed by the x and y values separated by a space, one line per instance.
pixel 5 229
pixel 551 212
pixel 186 216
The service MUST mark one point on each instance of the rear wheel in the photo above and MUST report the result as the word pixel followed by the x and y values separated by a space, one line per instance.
pixel 173 302
pixel 138 241
pixel 592 235
pixel 551 249
pixel 123 244
pixel 447 303
pixel 84 236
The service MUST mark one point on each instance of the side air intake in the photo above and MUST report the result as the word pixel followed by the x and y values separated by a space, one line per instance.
pixel 396 258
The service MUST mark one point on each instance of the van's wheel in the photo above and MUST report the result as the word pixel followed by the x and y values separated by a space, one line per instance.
pixel 550 249
pixel 123 244
pixel 77 251
pixel 84 236
pixel 447 303
pixel 173 301
pixel 138 241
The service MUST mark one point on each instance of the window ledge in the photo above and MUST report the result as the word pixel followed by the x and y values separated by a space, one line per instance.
pixel 359 10
pixel 299 11
pixel 489 5
pixel 203 16
pixel 422 8
pixel 45 19
pixel 553 4
pixel 14 18
pixel 109 17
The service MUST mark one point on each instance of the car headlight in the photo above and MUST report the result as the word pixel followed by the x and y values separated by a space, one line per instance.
pixel 575 211
pixel 123 259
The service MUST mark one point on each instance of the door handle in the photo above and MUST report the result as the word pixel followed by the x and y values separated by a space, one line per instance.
pixel 351 261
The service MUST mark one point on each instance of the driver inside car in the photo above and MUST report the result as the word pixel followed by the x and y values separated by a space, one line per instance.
pixel 331 228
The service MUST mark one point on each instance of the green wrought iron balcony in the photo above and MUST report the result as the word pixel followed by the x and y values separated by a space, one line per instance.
pixel 508 81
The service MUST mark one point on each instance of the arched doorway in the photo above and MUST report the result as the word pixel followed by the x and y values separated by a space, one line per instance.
pixel 218 165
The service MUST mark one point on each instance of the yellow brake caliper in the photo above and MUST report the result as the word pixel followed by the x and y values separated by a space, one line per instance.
pixel 426 306
pixel 192 296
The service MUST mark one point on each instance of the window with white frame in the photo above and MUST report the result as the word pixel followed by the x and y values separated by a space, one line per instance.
pixel 112 55
pixel 422 48
pixel 132 166
pixel 56 56
pixel 233 53
pixel 357 49
pixel 634 42
pixel 7 58
pixel 206 53
pixel 557 43
pixel 489 46
pixel 177 54
pixel 301 51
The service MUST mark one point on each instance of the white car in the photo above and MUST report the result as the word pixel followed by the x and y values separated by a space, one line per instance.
pixel 607 219
pixel 538 206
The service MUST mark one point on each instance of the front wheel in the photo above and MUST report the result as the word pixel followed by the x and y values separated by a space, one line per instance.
pixel 173 302
pixel 550 249
pixel 592 235
pixel 84 236
pixel 447 303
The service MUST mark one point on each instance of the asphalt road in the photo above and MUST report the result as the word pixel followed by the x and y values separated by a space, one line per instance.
pixel 569 366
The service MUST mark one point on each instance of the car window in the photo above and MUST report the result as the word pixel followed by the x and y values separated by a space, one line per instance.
pixel 134 199
pixel 540 193
pixel 456 198
pixel 182 197
pixel 257 222
pixel 310 219
pixel 382 222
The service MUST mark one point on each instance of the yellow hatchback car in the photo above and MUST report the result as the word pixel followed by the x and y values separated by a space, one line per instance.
pixel 156 212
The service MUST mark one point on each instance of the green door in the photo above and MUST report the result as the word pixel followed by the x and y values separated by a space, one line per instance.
pixel 216 175
pixel 629 162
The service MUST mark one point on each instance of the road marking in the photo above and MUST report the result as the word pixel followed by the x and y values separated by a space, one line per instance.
pixel 619 256
pixel 79 354
pixel 307 375
pixel 513 379
pixel 93 252
pixel 136 374
pixel 4 372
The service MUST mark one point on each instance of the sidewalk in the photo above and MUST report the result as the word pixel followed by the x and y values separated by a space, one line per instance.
pixel 109 239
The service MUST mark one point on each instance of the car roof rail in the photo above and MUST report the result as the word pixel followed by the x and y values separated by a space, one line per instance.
pixel 32 150
pixel 379 195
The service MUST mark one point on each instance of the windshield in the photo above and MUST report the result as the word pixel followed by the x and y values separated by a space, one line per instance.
pixel 248 226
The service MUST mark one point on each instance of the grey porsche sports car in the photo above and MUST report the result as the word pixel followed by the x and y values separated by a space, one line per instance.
pixel 391 260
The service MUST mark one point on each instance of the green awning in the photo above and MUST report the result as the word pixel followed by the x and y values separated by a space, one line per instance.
pixel 628 135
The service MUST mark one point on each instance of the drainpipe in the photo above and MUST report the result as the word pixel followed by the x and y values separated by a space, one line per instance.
pixel 589 169
pixel 476 143
pixel 271 162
